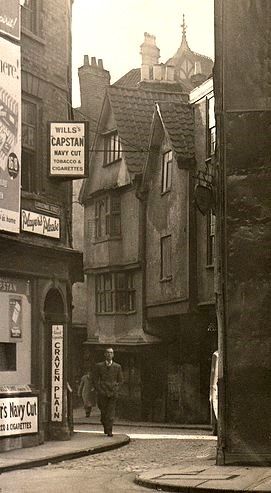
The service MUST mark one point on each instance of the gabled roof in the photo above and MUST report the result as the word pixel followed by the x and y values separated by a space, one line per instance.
pixel 133 111
pixel 178 121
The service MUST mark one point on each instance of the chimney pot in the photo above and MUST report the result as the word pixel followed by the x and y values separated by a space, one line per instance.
pixel 170 72
pixel 145 72
pixel 86 60
pixel 158 71
pixel 93 61
pixel 100 63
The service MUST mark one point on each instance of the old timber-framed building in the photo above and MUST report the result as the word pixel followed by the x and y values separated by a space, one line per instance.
pixel 143 299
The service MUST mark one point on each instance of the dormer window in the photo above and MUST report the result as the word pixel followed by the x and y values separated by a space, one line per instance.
pixel 166 172
pixel 112 148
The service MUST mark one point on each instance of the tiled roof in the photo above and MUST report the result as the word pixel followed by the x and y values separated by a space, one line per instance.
pixel 133 111
pixel 131 79
pixel 179 123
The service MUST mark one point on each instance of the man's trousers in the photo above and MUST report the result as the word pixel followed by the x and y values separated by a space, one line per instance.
pixel 107 406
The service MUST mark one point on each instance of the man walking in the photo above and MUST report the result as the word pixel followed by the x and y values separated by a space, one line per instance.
pixel 107 380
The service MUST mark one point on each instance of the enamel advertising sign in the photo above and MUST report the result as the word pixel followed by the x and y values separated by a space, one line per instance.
pixel 68 149
pixel 10 136
pixel 10 18
pixel 40 224
pixel 18 415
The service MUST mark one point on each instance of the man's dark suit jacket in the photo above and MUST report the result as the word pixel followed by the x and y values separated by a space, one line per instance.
pixel 107 379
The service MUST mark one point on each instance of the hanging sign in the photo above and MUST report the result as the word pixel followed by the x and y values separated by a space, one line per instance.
pixel 68 149
pixel 57 373
pixel 204 198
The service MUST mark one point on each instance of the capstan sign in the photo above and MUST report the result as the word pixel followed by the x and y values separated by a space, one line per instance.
pixel 18 415
pixel 68 149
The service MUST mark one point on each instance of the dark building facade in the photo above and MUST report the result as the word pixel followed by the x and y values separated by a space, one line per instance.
pixel 38 264
pixel 243 111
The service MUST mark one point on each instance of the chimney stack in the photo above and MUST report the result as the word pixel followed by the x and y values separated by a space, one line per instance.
pixel 150 56
pixel 93 80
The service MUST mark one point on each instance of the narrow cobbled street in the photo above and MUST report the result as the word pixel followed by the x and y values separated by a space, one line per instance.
pixel 114 471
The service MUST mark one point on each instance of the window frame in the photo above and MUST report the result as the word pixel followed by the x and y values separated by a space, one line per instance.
pixel 165 258
pixel 167 169
pixel 30 153
pixel 210 127
pixel 34 11
pixel 107 221
pixel 112 148
pixel 211 225
pixel 8 360
pixel 122 298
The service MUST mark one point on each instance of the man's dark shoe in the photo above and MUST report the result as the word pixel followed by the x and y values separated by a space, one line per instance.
pixel 110 434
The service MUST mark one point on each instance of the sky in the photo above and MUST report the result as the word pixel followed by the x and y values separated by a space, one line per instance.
pixel 113 30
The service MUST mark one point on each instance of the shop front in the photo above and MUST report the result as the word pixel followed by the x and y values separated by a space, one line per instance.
pixel 35 306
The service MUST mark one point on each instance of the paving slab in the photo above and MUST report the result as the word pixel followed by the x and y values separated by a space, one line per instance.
pixel 81 444
pixel 203 478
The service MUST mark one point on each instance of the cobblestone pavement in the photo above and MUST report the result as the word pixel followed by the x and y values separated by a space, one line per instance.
pixel 141 455
pixel 113 471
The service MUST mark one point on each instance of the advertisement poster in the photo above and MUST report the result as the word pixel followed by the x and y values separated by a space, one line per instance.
pixel 18 415
pixel 68 154
pixel 40 224
pixel 10 136
pixel 15 317
pixel 10 18
pixel 57 373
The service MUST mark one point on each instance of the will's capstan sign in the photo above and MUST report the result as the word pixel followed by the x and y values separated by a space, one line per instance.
pixel 68 153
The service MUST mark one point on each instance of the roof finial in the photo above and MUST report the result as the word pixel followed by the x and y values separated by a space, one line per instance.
pixel 184 26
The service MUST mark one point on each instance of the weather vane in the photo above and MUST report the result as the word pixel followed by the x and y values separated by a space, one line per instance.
pixel 184 26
